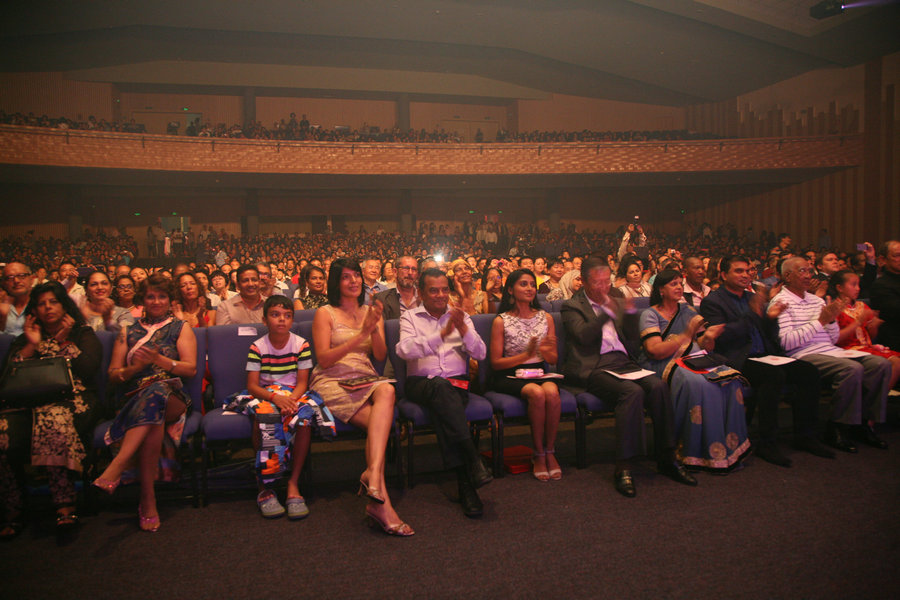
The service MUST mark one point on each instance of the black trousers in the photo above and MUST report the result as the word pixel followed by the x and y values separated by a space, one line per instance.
pixel 631 398
pixel 768 383
pixel 446 407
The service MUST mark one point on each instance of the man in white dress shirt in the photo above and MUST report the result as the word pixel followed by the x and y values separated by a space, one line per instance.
pixel 436 341
pixel 808 331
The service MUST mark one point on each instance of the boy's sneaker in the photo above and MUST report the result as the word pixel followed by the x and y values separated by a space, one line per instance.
pixel 269 505
pixel 296 508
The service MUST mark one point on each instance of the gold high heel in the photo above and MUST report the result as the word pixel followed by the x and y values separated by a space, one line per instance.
pixel 373 494
pixel 401 529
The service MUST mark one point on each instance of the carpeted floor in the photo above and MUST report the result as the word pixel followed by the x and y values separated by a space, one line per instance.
pixel 821 529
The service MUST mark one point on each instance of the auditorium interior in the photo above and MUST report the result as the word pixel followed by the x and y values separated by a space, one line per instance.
pixel 283 117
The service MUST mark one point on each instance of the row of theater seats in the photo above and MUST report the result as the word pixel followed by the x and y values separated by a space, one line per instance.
pixel 225 348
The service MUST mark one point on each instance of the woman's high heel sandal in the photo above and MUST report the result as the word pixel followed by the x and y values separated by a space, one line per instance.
pixel 555 473
pixel 107 485
pixel 540 475
pixel 148 524
pixel 401 529
pixel 373 494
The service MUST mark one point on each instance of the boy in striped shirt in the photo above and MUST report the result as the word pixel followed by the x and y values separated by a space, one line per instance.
pixel 278 368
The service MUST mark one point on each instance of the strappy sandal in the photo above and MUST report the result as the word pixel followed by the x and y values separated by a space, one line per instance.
pixel 540 475
pixel 66 521
pixel 372 493
pixel 401 529
pixel 148 524
pixel 555 473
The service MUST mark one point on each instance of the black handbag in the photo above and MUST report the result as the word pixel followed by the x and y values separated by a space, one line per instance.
pixel 36 382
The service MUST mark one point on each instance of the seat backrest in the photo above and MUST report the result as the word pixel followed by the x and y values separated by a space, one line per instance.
pixel 391 337
pixel 304 315
pixel 545 304
pixel 6 341
pixel 194 385
pixel 227 349
pixel 483 324
pixel 555 305
pixel 107 341
pixel 560 338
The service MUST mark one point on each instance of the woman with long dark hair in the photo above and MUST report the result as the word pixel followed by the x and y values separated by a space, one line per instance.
pixel 523 337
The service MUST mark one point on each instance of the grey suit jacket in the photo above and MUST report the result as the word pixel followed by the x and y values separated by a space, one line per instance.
pixel 390 298
pixel 584 334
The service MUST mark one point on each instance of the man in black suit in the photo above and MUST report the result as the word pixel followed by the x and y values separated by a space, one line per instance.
pixel 751 331
pixel 398 300
pixel 593 323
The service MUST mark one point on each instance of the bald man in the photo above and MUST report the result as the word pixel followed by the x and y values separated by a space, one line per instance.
pixel 860 384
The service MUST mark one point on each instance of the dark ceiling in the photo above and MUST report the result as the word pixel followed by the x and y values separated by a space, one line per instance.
pixel 668 52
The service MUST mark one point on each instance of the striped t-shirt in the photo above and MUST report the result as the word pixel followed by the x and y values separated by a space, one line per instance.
pixel 279 365
pixel 799 328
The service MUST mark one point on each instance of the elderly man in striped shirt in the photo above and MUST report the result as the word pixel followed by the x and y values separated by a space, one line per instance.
pixel 860 384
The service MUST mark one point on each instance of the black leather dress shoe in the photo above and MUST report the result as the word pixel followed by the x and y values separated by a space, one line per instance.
pixel 866 435
pixel 479 474
pixel 468 497
pixel 769 452
pixel 677 472
pixel 835 437
pixel 624 483
pixel 810 444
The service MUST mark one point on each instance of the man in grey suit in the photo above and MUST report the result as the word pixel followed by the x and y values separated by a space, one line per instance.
pixel 397 301
pixel 594 324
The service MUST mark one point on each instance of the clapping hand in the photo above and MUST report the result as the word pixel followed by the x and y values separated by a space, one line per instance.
pixel 144 356
pixel 775 309
pixel 32 330
pixel 67 324
pixel 831 310
pixel 373 315
pixel 547 345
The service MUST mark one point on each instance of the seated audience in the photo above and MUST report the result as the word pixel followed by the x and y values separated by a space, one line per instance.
pixel 17 282
pixel 694 288
pixel 464 294
pixel 345 333
pixel 568 285
pixel 710 424
pixel 858 323
pixel 808 332
pixel 523 337
pixel 635 286
pixel 100 312
pixel 314 283
pixel 146 359
pixel 436 341
pixel 191 304
pixel 51 435
pixel 278 366
pixel 123 295
pixel 595 358
pixel 886 295
pixel 246 306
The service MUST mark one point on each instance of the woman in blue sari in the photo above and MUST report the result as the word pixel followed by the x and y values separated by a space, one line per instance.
pixel 710 421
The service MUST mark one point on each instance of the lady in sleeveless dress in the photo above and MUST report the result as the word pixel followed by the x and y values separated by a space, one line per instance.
pixel 345 332
pixel 149 358
pixel 523 337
